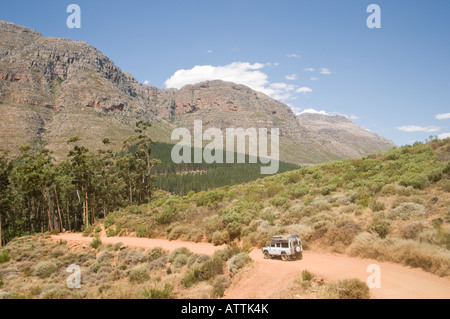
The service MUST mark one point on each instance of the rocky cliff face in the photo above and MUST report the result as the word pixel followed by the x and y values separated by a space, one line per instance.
pixel 52 89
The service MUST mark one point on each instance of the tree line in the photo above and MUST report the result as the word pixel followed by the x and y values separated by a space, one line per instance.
pixel 38 195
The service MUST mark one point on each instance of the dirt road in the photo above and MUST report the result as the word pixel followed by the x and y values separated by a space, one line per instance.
pixel 270 276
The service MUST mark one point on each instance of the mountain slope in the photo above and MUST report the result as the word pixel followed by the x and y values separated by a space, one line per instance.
pixel 342 136
pixel 52 89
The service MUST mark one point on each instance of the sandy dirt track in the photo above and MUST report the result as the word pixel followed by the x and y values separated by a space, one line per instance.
pixel 271 276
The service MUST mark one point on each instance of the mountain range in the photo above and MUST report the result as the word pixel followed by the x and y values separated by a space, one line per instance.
pixel 52 89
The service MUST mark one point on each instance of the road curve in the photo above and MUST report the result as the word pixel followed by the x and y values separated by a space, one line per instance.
pixel 269 276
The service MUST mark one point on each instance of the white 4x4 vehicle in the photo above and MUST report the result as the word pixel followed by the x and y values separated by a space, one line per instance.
pixel 286 247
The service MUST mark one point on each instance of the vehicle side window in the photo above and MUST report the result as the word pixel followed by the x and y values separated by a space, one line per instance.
pixel 278 245
pixel 272 245
pixel 285 245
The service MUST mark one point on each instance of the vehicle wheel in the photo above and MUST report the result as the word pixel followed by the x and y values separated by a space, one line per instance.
pixel 298 249
pixel 299 256
pixel 266 255
pixel 284 257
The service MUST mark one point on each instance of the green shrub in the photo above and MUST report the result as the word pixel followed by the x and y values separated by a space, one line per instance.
pixel 96 242
pixel 167 215
pixel 131 256
pixel 117 246
pixel 139 275
pixel 112 231
pixel 4 257
pixel 180 260
pixel 222 254
pixel 44 269
pixel 349 209
pixel 204 271
pixel 382 227
pixel 435 175
pixel 158 263
pixel 377 206
pixel 197 259
pixel 156 253
pixel 1 281
pixel 328 189
pixel 177 232
pixel 178 251
pixel 415 180
pixel 237 262
pixel 445 185
pixel 109 221
pixel 353 289
pixel 220 237
pixel 220 284
pixel 154 293
pixel 307 276
pixel 278 201
pixel 141 231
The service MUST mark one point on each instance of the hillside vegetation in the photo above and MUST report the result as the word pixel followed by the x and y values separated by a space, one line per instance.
pixel 182 178
pixel 392 207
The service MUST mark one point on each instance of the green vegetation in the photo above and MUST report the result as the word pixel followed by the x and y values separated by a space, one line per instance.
pixel 366 195
pixel 182 178
pixel 4 257
pixel 353 289
pixel 38 194
pixel 306 275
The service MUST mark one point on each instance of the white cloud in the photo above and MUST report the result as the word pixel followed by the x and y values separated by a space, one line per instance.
pixel 237 72
pixel 146 82
pixel 325 71
pixel 314 78
pixel 353 117
pixel 415 128
pixel 293 55
pixel 209 51
pixel 445 116
pixel 309 69
pixel 443 136
pixel 272 65
pixel 313 111
pixel 304 89
pixel 292 77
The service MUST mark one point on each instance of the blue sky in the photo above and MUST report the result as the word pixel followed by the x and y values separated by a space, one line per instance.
pixel 317 55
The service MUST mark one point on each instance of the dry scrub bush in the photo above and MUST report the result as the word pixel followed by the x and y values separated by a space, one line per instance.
pixel 412 230
pixel 408 252
pixel 353 289
pixel 342 236
pixel 406 211
pixel 220 237
pixel 139 275
pixel 156 253
pixel 131 256
pixel 178 232
pixel 45 268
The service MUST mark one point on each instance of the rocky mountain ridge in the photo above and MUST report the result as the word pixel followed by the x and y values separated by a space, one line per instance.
pixel 52 89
